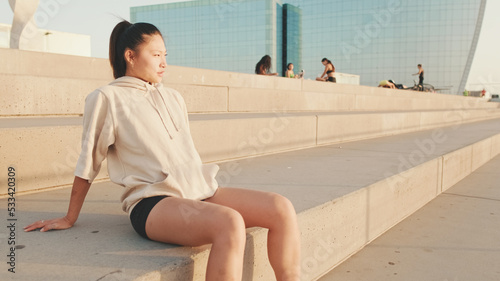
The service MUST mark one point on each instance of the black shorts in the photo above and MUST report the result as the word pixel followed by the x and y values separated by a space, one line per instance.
pixel 141 212
pixel 332 79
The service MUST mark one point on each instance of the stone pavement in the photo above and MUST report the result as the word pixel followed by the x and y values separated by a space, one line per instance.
pixel 455 237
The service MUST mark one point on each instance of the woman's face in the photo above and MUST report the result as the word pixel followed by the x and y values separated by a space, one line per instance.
pixel 148 62
pixel 324 62
pixel 291 67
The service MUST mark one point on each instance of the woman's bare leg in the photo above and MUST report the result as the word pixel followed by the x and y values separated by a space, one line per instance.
pixel 272 211
pixel 195 223
pixel 320 79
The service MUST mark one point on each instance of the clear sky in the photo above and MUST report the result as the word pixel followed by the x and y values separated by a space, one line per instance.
pixel 98 17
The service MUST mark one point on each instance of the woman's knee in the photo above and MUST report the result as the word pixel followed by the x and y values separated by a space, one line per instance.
pixel 230 227
pixel 282 208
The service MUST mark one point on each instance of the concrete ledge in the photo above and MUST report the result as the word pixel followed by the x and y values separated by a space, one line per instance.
pixel 28 95
pixel 495 146
pixel 46 156
pixel 333 128
pixel 203 99
pixel 251 135
pixel 41 64
pixel 47 148
pixel 456 166
pixel 188 75
pixel 345 197
pixel 348 127
pixel 481 153
pixel 361 216
pixel 41 84
pixel 38 95
pixel 450 238
pixel 267 100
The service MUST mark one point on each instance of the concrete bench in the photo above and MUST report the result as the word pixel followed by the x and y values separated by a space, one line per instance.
pixel 47 148
pixel 345 195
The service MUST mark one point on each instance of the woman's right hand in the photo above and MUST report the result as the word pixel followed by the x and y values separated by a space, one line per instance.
pixel 46 225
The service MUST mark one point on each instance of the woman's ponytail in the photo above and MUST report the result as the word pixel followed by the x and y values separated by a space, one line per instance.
pixel 117 62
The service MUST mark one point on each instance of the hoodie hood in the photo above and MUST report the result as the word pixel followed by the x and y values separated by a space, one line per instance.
pixel 159 99
pixel 135 83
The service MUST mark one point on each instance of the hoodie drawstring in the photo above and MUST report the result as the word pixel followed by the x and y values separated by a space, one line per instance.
pixel 168 109
pixel 156 100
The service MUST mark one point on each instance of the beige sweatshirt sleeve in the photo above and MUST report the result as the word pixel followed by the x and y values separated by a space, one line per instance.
pixel 97 135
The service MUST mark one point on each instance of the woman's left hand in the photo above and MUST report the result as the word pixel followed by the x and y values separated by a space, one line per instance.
pixel 46 225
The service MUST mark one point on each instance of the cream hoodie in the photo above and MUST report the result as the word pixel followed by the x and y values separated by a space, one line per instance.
pixel 143 130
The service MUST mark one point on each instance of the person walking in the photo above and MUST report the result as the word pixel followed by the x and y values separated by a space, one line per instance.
pixel 420 74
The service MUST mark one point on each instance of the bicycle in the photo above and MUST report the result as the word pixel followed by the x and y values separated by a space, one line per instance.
pixel 418 87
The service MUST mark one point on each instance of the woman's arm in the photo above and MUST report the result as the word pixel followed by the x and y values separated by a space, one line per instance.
pixel 262 71
pixel 324 72
pixel 78 194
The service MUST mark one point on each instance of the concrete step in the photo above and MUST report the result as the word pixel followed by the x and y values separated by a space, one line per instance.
pixel 28 63
pixel 47 149
pixel 38 95
pixel 42 64
pixel 346 195
pixel 345 98
pixel 30 95
pixel 454 237
pixel 41 84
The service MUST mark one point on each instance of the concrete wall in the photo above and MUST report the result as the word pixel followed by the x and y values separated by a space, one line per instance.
pixel 238 116
pixel 233 115
pixel 43 84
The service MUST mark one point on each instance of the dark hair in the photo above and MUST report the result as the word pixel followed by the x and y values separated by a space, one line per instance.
pixel 265 62
pixel 127 36
pixel 419 65
pixel 329 62
pixel 288 66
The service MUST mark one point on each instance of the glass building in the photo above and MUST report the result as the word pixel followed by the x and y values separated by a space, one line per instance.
pixel 376 39
pixel 220 35
pixel 292 37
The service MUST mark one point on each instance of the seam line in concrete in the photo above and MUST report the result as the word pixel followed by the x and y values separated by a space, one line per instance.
pixel 442 174
pixel 470 196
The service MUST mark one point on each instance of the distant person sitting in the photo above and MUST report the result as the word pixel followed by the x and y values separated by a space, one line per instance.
pixel 391 84
pixel 263 66
pixel 420 74
pixel 387 84
pixel 398 86
pixel 289 72
pixel 329 73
